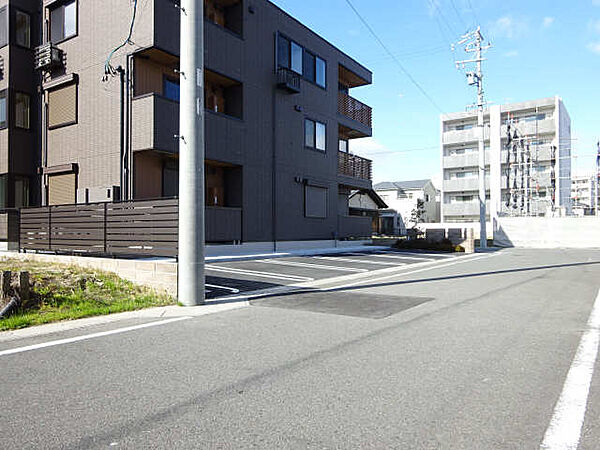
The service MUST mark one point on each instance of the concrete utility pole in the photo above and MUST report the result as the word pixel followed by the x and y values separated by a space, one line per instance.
pixel 191 155
pixel 473 42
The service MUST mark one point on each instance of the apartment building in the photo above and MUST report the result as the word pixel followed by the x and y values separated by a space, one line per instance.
pixel 403 196
pixel 528 161
pixel 584 194
pixel 103 117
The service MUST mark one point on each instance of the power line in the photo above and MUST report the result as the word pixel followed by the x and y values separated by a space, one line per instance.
pixel 396 60
pixel 473 12
pixel 460 19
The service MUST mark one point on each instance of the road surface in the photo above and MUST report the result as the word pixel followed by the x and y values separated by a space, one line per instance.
pixel 495 350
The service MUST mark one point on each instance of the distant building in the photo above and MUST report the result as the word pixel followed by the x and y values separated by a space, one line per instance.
pixel 403 196
pixel 583 195
pixel 528 161
pixel 367 203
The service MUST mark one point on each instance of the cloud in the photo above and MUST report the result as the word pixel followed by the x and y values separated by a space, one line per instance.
pixel 511 54
pixel 594 47
pixel 509 27
pixel 368 147
pixel 547 22
pixel 596 2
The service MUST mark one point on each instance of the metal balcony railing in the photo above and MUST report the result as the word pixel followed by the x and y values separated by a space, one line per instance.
pixel 288 80
pixel 354 166
pixel 352 108
pixel 47 57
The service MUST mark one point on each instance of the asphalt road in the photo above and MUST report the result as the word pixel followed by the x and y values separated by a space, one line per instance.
pixel 472 352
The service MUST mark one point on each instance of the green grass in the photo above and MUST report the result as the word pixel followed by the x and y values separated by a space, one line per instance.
pixel 66 292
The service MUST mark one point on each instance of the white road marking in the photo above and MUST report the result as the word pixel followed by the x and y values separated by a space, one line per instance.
pixel 225 288
pixel 395 256
pixel 255 273
pixel 85 337
pixel 312 266
pixel 377 263
pixel 401 274
pixel 565 426
pixel 315 284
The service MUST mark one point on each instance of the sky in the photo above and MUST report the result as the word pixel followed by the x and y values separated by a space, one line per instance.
pixel 541 48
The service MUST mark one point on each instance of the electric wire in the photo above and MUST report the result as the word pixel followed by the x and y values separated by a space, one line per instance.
pixel 394 58
pixel 109 70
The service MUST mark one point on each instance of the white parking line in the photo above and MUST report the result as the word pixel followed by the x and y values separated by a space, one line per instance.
pixel 255 273
pixel 564 430
pixel 312 266
pixel 395 256
pixel 376 263
pixel 12 351
pixel 225 288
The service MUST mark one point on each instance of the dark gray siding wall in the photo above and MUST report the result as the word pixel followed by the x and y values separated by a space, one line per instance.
pixel 251 60
pixel 23 144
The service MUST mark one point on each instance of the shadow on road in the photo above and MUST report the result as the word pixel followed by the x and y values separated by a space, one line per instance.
pixel 301 291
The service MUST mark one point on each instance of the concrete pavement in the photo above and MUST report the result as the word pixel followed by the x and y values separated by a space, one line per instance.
pixel 469 353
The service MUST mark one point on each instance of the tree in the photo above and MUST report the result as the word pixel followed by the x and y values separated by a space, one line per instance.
pixel 416 215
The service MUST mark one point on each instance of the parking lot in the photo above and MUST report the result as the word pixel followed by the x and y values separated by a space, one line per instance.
pixel 225 279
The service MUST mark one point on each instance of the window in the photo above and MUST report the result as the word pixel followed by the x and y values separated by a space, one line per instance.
pixel 315 134
pixel 3 109
pixel 61 189
pixel 314 69
pixel 427 198
pixel 296 58
pixel 321 72
pixel 22 110
pixel 343 146
pixel 309 66
pixel 171 89
pixel 63 21
pixel 315 202
pixel 23 29
pixel 309 133
pixel 321 137
pixel 3 26
pixel 62 106
pixel 283 51
pixel 21 192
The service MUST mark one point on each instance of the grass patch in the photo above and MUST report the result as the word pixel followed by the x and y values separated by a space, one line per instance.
pixel 62 292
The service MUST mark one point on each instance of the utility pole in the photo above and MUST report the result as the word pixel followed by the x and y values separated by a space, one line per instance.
pixel 191 155
pixel 597 180
pixel 473 42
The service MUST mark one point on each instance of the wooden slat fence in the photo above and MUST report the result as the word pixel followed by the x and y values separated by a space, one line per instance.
pixel 146 228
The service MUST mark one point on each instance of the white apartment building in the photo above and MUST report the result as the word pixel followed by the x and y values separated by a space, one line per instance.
pixel 528 161
pixel 402 196
pixel 583 195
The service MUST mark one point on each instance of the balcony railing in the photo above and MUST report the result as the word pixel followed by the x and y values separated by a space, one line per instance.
pixel 288 80
pixel 352 108
pixel 354 166
pixel 47 57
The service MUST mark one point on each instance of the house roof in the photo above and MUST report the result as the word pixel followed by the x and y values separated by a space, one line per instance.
pixel 389 185
pixel 374 196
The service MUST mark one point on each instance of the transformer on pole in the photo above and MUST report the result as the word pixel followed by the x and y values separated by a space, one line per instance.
pixel 473 43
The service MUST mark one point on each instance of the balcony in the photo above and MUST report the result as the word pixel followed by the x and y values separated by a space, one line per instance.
pixel 464 184
pixel 288 80
pixel 155 123
pixel 48 57
pixel 355 110
pixel 464 208
pixel 354 166
pixel 463 136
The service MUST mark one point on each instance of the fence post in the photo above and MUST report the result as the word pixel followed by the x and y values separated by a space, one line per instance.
pixel 105 231
pixel 49 228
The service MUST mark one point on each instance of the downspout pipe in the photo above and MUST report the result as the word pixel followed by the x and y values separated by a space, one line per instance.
pixel 122 164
